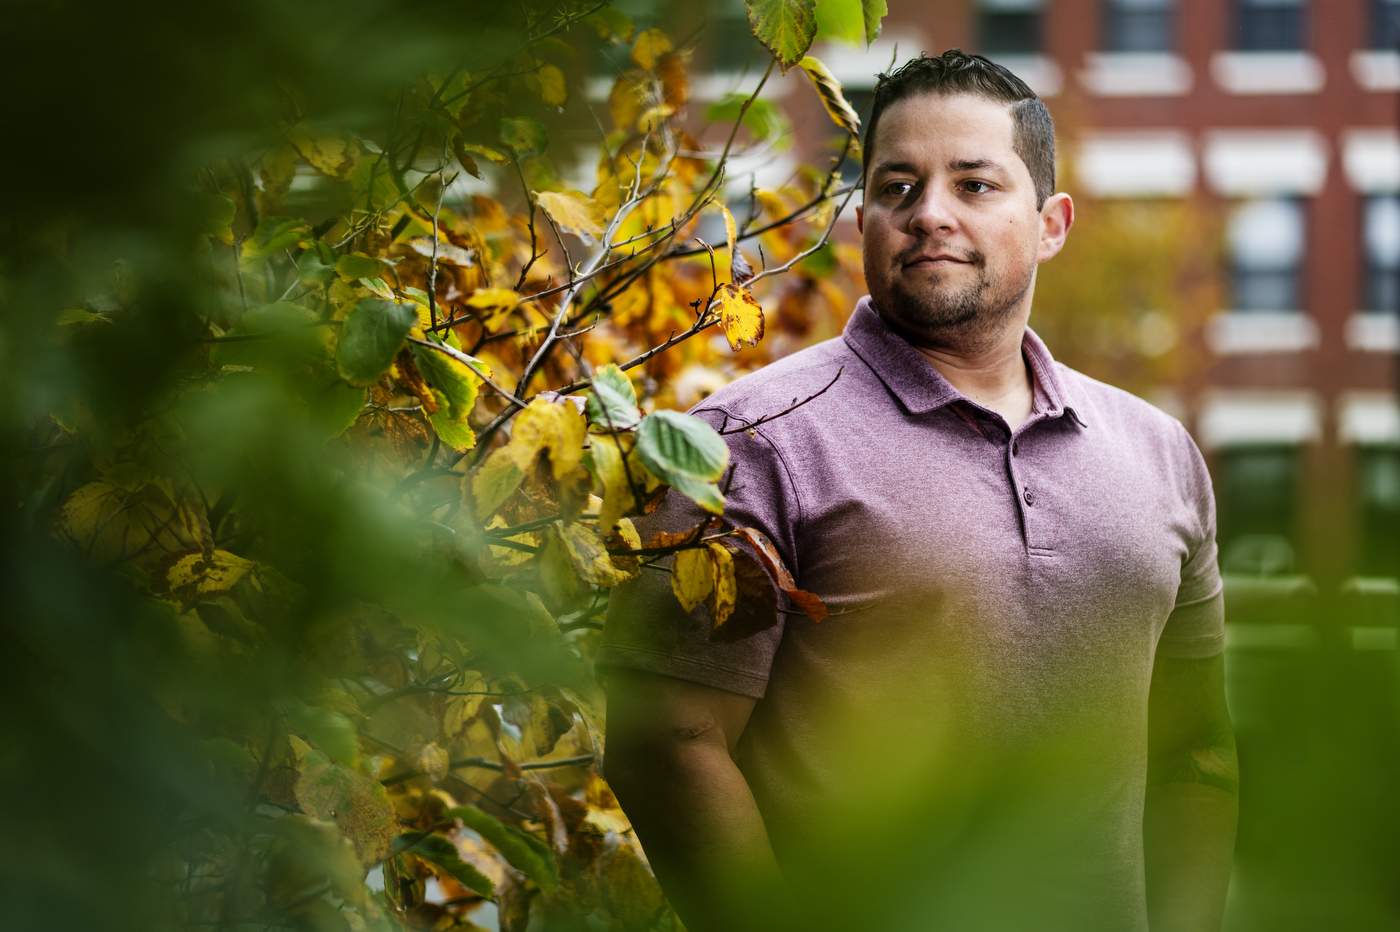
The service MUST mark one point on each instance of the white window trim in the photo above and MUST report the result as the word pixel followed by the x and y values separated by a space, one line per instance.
pixel 1236 417
pixel 1256 73
pixel 1238 333
pixel 1136 74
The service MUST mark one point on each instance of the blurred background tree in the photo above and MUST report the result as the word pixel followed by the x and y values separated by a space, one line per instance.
pixel 304 566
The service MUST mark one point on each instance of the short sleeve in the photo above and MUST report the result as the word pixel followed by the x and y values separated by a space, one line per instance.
pixel 646 629
pixel 1196 627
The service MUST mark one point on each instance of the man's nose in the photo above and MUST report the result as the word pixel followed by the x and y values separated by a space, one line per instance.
pixel 934 212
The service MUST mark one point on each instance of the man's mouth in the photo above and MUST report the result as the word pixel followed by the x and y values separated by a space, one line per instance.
pixel 933 262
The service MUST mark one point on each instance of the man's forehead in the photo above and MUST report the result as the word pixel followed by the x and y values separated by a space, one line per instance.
pixel 962 131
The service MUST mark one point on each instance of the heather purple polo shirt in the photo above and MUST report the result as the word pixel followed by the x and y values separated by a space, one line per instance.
pixel 970 725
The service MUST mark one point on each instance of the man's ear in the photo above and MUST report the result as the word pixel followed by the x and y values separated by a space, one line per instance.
pixel 1056 217
pixel 860 219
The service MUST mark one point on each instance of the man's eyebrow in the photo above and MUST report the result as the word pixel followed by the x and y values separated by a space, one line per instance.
pixel 973 165
pixel 907 167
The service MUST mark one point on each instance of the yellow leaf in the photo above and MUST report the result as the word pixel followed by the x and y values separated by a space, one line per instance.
pixel 731 238
pixel 553 91
pixel 741 316
pixel 332 154
pixel 574 212
pixel 830 91
pixel 499 562
pixel 626 99
pixel 427 759
pixel 626 535
pixel 654 117
pixel 493 303
pixel 563 589
pixel 494 483
pixel 546 429
pixel 589 557
pixel 191 574
pixel 276 169
pixel 692 577
pixel 650 47
pixel 609 462
pixel 725 593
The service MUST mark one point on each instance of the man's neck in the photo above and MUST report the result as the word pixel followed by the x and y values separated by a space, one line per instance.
pixel 997 377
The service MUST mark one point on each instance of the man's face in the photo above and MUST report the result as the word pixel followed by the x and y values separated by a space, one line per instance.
pixel 950 228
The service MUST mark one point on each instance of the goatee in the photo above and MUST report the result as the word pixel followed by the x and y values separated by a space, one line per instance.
pixel 966 319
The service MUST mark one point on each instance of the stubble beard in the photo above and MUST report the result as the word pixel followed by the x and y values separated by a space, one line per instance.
pixel 937 315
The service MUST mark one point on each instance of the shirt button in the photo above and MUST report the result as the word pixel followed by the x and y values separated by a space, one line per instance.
pixel 1015 448
pixel 1029 497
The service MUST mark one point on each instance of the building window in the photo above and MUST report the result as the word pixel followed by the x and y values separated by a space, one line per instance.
pixel 1380 511
pixel 1270 25
pixel 1381 235
pixel 1138 26
pixel 1009 27
pixel 1266 239
pixel 1385 24
pixel 1256 493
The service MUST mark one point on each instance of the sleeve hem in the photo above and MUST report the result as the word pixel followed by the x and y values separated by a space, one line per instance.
pixel 1219 588
pixel 695 671
pixel 1191 648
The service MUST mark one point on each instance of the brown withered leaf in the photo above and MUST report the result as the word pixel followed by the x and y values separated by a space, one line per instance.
pixel 664 539
pixel 354 802
pixel 551 717
pixel 412 380
pixel 755 604
pixel 767 554
pixel 634 899
pixel 406 434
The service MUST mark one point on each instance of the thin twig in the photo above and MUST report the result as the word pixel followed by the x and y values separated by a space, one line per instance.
pixel 789 409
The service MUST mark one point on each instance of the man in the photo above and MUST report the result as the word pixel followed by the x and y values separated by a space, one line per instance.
pixel 1014 718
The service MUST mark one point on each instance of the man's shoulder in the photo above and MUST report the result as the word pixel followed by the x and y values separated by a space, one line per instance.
pixel 786 380
pixel 1119 410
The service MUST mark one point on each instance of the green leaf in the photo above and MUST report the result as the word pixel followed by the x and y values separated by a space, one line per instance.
pixel 525 852
pixel 762 119
pixel 291 340
pixel 841 21
pixel 524 136
pixel 875 10
pixel 455 381
pixel 274 235
pixel 216 212
pixel 357 265
pixel 785 27
pixel 332 405
pixel 329 731
pixel 372 336
pixel 442 852
pixel 458 436
pixel 611 24
pixel 685 453
pixel 613 403
pixel 312 271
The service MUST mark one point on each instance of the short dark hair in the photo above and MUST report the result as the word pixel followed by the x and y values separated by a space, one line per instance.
pixel 956 72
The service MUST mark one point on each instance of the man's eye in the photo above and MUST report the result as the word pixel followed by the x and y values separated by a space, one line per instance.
pixel 898 188
pixel 976 187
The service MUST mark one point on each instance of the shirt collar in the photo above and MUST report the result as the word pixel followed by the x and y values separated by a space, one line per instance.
pixel 920 388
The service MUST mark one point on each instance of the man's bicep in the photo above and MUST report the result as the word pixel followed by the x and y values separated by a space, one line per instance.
pixel 650 710
pixel 1190 738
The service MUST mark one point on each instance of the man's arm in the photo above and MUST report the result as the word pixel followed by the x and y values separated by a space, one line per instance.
pixel 668 759
pixel 1192 795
